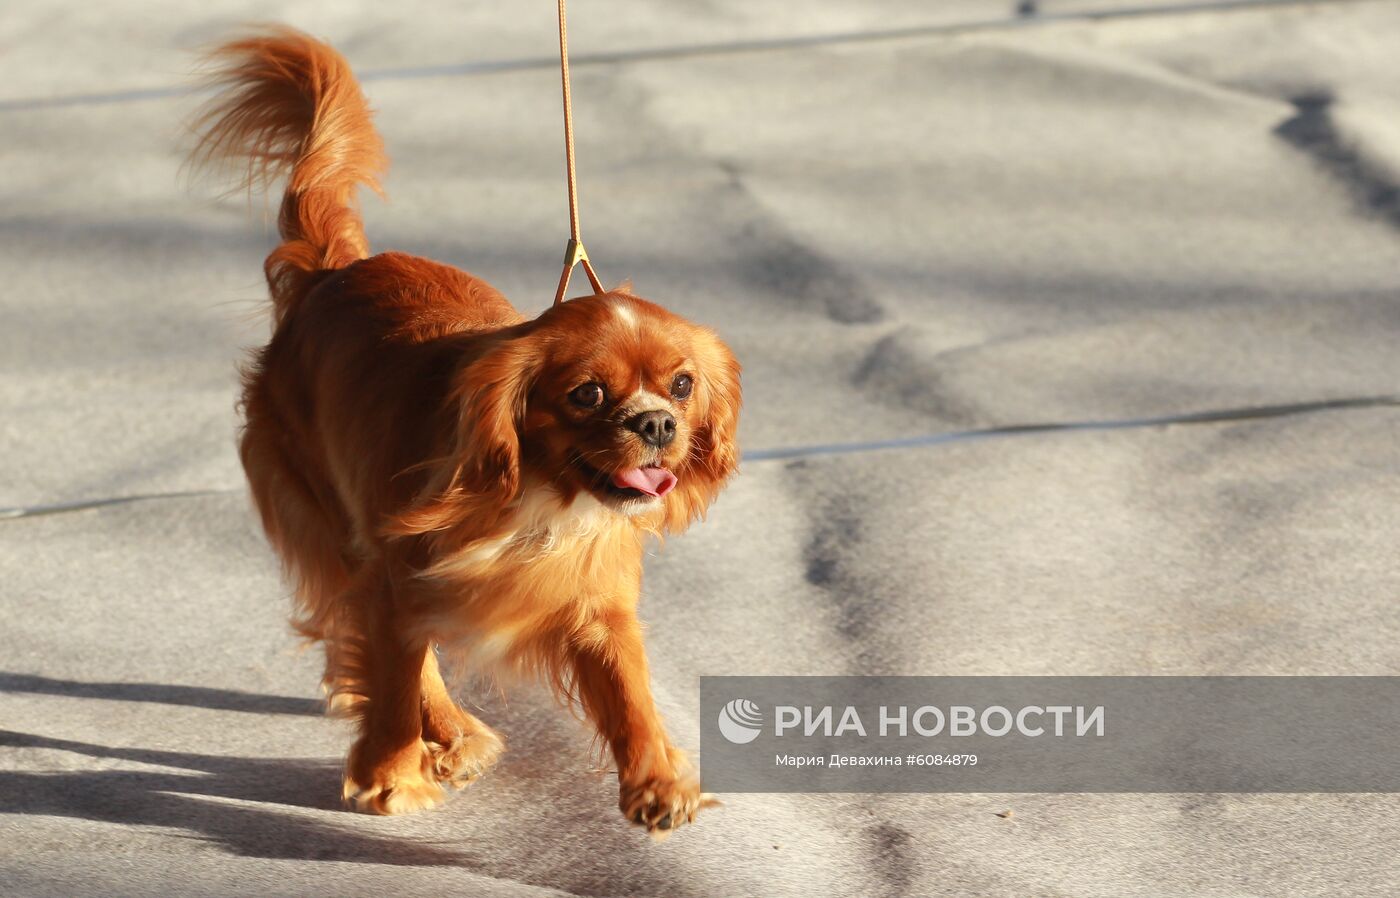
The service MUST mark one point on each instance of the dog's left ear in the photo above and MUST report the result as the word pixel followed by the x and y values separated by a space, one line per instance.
pixel 714 453
pixel 717 383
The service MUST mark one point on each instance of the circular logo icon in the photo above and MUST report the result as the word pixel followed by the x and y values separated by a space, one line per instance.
pixel 740 721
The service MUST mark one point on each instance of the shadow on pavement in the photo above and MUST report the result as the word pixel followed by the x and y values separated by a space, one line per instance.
pixel 159 693
pixel 210 795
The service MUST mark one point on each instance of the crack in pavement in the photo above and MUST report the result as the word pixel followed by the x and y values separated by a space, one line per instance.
pixel 785 453
pixel 35 511
pixel 1024 17
pixel 1214 416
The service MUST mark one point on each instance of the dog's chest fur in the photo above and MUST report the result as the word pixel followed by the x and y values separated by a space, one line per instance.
pixel 554 569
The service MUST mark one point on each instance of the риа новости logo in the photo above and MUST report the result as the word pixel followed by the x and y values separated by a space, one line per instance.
pixel 740 721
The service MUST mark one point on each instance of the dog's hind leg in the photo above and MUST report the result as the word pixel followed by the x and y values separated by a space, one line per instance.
pixel 462 747
pixel 389 769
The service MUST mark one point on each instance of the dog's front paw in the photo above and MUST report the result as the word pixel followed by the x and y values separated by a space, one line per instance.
pixel 662 803
pixel 400 783
pixel 467 757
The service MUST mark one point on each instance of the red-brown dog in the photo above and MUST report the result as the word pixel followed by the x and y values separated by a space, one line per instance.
pixel 434 468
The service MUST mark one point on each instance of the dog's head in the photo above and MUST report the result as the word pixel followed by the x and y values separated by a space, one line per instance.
pixel 608 396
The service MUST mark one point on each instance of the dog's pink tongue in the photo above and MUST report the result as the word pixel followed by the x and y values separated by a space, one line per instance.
pixel 652 481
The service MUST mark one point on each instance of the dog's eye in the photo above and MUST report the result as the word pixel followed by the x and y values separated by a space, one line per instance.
pixel 681 386
pixel 589 395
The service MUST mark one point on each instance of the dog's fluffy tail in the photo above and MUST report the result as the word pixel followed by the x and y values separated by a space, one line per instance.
pixel 289 105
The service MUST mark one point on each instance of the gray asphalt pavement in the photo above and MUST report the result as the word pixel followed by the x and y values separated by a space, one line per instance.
pixel 908 220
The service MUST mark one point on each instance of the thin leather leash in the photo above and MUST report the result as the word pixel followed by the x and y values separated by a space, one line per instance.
pixel 574 253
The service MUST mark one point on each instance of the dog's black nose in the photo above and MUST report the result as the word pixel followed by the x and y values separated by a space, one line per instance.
pixel 657 428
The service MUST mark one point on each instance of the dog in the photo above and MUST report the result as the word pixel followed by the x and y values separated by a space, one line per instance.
pixel 436 470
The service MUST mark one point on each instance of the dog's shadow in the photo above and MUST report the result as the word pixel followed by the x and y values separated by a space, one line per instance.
pixel 253 807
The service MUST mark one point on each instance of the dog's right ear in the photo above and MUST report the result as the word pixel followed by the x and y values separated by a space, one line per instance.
pixel 490 395
pixel 480 474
